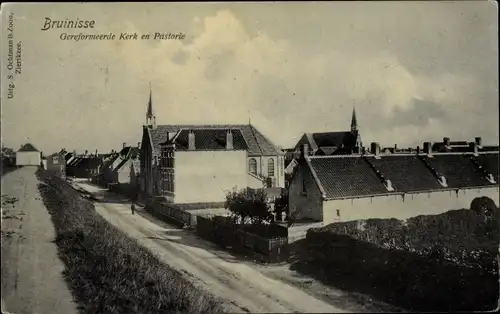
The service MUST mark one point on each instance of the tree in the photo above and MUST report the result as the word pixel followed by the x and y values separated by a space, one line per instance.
pixel 483 206
pixel 281 205
pixel 249 203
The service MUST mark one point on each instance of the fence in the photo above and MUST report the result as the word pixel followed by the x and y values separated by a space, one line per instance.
pixel 172 214
pixel 222 231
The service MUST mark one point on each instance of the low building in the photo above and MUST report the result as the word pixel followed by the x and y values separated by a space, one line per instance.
pixel 84 166
pixel 118 167
pixel 28 155
pixel 378 185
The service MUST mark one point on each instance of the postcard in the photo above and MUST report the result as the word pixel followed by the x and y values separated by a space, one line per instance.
pixel 259 157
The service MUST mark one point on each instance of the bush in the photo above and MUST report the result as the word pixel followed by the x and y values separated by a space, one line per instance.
pixel 249 203
pixel 483 206
pixel 109 272
pixel 436 262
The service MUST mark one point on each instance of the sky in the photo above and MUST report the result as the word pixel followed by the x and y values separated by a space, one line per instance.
pixel 414 71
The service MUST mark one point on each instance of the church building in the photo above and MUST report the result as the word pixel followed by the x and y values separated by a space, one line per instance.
pixel 333 143
pixel 200 163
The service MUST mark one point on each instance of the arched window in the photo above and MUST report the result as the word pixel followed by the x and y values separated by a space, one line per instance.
pixel 252 166
pixel 270 167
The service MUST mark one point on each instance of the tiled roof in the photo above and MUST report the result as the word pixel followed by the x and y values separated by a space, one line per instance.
pixel 329 143
pixel 458 170
pixel 88 163
pixel 346 176
pixel 334 139
pixel 356 176
pixel 120 164
pixel 257 143
pixel 134 152
pixel 28 148
pixel 407 173
pixel 210 139
pixel 490 162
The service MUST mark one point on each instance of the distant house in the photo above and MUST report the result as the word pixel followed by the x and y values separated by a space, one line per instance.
pixel 56 164
pixel 28 155
pixel 118 166
pixel 84 166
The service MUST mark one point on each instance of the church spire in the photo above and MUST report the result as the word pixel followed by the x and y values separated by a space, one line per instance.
pixel 150 118
pixel 354 121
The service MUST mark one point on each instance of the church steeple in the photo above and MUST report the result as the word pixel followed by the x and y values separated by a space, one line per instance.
pixel 354 121
pixel 150 118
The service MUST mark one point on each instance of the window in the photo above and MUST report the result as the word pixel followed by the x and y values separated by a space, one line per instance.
pixel 252 166
pixel 55 160
pixel 304 190
pixel 270 167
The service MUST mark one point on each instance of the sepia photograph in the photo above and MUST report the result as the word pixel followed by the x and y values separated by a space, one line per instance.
pixel 250 157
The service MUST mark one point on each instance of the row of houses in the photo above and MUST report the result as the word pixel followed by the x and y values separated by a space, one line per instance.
pixel 329 176
pixel 116 167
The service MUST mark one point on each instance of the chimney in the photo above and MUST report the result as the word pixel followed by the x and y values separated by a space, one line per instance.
pixel 191 142
pixel 124 144
pixel 96 152
pixel 86 152
pixel 446 141
pixel 139 145
pixel 74 152
pixel 428 148
pixel 395 147
pixel 473 147
pixel 479 141
pixel 229 139
pixel 418 150
pixel 304 152
pixel 375 148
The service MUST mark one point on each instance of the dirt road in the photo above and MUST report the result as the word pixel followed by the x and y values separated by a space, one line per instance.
pixel 31 270
pixel 244 288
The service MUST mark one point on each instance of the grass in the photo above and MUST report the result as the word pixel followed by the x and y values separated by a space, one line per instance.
pixel 108 272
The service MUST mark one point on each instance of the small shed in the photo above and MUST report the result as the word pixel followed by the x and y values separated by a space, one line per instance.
pixel 28 155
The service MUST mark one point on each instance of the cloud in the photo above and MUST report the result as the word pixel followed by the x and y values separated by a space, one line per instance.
pixel 227 74
pixel 230 69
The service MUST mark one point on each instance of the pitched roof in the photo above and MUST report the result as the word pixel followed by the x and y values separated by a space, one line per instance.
pixel 490 163
pixel 337 139
pixel 210 139
pixel 346 176
pixel 458 170
pixel 257 143
pixel 407 173
pixel 330 143
pixel 28 147
pixel 361 176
